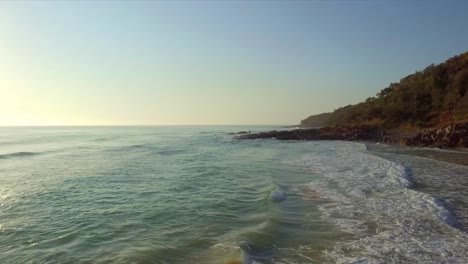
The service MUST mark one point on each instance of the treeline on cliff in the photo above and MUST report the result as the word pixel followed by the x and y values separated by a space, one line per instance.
pixel 436 95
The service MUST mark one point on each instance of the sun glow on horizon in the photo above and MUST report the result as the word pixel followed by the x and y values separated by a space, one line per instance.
pixel 199 63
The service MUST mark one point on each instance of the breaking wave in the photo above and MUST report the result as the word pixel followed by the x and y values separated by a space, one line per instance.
pixel 370 198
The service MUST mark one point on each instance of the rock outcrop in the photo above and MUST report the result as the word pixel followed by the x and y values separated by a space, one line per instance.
pixel 446 136
pixel 353 133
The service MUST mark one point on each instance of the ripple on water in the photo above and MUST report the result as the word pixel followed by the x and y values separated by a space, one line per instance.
pixel 144 195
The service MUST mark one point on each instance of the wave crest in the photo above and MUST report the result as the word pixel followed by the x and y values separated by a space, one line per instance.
pixel 19 154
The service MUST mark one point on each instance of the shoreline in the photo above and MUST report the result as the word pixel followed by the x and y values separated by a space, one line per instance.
pixel 436 172
pixel 450 139
pixel 457 156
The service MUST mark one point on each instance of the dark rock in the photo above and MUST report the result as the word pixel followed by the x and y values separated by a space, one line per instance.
pixel 446 136
pixel 360 133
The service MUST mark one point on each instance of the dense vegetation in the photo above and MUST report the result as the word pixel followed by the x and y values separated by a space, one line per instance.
pixel 438 94
pixel 319 120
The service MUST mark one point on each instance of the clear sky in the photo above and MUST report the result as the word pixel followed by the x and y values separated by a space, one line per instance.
pixel 212 63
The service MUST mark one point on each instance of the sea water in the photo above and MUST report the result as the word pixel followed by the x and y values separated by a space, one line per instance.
pixel 194 194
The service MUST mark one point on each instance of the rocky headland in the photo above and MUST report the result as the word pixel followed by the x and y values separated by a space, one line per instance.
pixel 428 108
pixel 453 135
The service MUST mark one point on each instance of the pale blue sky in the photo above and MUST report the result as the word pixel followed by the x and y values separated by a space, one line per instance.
pixel 212 63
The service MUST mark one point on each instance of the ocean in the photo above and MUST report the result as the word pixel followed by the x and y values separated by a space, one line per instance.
pixel 193 194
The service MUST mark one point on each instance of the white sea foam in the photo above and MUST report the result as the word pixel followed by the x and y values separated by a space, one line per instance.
pixel 370 198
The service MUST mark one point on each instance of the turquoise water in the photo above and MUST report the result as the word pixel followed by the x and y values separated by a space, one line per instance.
pixel 193 194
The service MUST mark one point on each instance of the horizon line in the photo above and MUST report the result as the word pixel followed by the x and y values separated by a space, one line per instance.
pixel 180 125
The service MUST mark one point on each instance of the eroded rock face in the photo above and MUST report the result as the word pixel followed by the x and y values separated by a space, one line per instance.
pixel 447 136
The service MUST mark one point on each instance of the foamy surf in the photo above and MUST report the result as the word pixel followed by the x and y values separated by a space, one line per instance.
pixel 147 196
pixel 370 198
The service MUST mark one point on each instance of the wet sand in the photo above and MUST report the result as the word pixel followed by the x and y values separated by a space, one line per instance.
pixel 454 155
pixel 439 172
